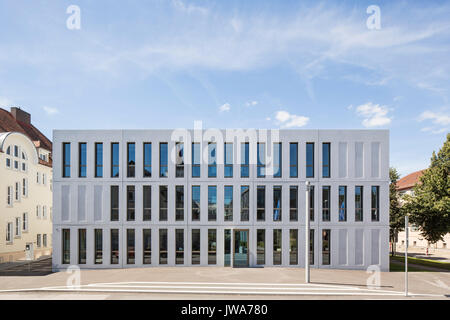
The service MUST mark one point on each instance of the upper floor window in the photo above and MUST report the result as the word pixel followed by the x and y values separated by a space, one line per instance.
pixel 131 203
pixel 228 160
pixel 9 230
pixel 310 160
pixel 375 203
pixel 179 160
pixel 114 160
pixel 245 203
pixel 277 160
pixel 114 203
pixel 66 160
pixel 326 203
pixel 82 160
pixel 293 201
pixel 9 196
pixel 261 203
pixel 342 203
pixel 25 222
pixel 147 203
pixel 212 156
pixel 359 203
pixel 8 150
pixel 326 160
pixel 163 160
pixel 245 160
pixel 99 160
pixel 163 203
pixel 196 203
pixel 131 159
pixel 18 232
pixel 212 203
pixel 293 159
pixel 261 160
pixel 16 151
pixel 277 203
pixel 195 160
pixel 147 160
pixel 179 203
pixel 25 187
pixel 228 203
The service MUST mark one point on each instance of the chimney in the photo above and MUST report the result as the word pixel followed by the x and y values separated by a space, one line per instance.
pixel 20 115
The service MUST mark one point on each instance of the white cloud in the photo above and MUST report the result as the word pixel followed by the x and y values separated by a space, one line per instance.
pixel 189 8
pixel 374 115
pixel 440 121
pixel 225 107
pixel 287 120
pixel 50 111
pixel 4 102
pixel 251 103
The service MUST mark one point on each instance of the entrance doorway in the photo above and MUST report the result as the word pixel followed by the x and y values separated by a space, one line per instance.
pixel 240 248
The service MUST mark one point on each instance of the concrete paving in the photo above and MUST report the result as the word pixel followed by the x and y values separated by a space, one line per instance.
pixel 223 283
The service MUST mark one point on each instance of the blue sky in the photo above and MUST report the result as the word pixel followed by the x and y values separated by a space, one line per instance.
pixel 233 64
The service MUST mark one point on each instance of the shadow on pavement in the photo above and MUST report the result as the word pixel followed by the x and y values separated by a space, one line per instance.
pixel 42 267
pixel 346 284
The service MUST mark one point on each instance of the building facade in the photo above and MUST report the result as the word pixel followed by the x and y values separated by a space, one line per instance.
pixel 405 186
pixel 25 181
pixel 137 198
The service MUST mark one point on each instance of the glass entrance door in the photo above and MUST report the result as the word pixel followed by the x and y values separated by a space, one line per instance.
pixel 240 248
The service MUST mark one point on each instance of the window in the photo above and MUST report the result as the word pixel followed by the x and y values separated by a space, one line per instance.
pixel 18 228
pixel 147 203
pixel 310 160
pixel 38 241
pixel 99 160
pixel 38 211
pixel 66 160
pixel 260 246
pixel 179 203
pixel 212 163
pixel 17 191
pixel 25 222
pixel 326 203
pixel 277 203
pixel 114 246
pixel 359 203
pixel 195 160
pixel 163 160
pixel 114 203
pixel 24 166
pixel 44 212
pixel 195 203
pixel 131 197
pixel 342 203
pixel 245 203
pixel 81 246
pixel 179 169
pixel 98 245
pixel 9 231
pixel 147 160
pixel 375 203
pixel 293 159
pixel 25 187
pixel 293 246
pixel 16 151
pixel 228 160
pixel 311 203
pixel 245 160
pixel 277 161
pixel 130 246
pixel 147 246
pixel 114 160
pixel 179 246
pixel 228 203
pixel 212 203
pixel 212 246
pixel 131 159
pixel 82 160
pixel 227 248
pixel 162 246
pixel 326 245
pixel 162 203
pixel 37 178
pixel 195 246
pixel 261 203
pixel 326 150
pixel 261 160
pixel 65 246
pixel 9 196
pixel 293 203
pixel 277 241
pixel 311 246
pixel 8 162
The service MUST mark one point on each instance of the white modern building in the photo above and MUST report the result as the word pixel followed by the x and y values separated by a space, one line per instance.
pixel 138 198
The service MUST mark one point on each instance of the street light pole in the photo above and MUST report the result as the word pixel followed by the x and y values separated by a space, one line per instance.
pixel 307 277
pixel 406 254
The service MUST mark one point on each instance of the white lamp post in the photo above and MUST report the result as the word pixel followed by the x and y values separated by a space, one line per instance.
pixel 406 253
pixel 307 277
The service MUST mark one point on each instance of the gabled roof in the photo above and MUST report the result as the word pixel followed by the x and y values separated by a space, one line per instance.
pixel 9 124
pixel 408 182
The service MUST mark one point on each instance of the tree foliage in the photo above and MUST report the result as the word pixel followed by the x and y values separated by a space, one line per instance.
pixel 429 208
pixel 396 214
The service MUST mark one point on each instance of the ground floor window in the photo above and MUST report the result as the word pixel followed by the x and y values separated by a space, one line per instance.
pixel 195 246
pixel 227 248
pixel 98 238
pixel 162 246
pixel 114 246
pixel 147 246
pixel 277 246
pixel 326 245
pixel 179 246
pixel 212 248
pixel 293 246
pixel 130 246
pixel 81 246
pixel 311 246
pixel 66 246
pixel 261 246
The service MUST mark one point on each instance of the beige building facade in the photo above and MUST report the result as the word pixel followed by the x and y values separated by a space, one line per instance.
pixel 26 190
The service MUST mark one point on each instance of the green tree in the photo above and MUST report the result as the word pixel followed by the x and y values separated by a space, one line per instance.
pixel 396 214
pixel 429 208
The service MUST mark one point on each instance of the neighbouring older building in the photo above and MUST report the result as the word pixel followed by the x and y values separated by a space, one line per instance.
pixel 137 198
pixel 405 186
pixel 26 188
